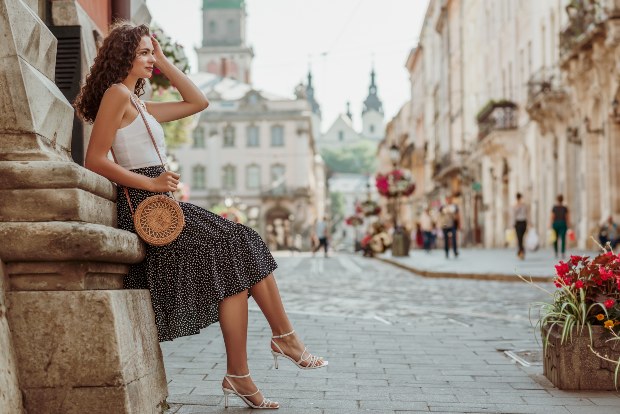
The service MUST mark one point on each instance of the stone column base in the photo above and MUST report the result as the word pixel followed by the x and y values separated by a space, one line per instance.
pixel 87 351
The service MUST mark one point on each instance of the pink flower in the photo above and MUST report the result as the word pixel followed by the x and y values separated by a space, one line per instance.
pixel 156 71
pixel 609 303
pixel 579 284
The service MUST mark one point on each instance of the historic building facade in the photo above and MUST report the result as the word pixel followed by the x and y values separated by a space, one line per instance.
pixel 257 151
pixel 525 100
pixel 252 151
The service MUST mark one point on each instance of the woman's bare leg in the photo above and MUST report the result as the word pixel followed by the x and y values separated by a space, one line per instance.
pixel 267 296
pixel 233 312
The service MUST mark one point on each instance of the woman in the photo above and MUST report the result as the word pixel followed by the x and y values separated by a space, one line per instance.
pixel 560 223
pixel 520 214
pixel 209 271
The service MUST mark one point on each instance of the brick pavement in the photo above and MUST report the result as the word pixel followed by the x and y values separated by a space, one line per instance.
pixel 398 364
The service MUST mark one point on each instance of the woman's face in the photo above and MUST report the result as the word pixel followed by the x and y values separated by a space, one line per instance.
pixel 142 65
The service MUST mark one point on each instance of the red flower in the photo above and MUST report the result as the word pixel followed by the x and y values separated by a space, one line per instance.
pixel 575 259
pixel 156 71
pixel 562 269
pixel 609 303
pixel 605 274
pixel 579 284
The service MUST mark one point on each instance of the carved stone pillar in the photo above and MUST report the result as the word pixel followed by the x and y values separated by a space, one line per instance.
pixel 82 345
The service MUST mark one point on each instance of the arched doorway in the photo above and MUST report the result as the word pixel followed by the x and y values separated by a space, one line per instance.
pixel 278 232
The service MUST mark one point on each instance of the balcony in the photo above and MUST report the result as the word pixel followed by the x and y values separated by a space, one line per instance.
pixel 497 116
pixel 586 19
pixel 546 96
pixel 282 192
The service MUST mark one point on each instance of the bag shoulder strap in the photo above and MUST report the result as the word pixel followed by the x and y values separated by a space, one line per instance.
pixel 148 128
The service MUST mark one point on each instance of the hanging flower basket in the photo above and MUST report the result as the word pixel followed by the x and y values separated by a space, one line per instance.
pixel 368 208
pixel 354 221
pixel 175 54
pixel 395 183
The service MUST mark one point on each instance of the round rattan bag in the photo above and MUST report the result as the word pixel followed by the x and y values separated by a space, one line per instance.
pixel 159 220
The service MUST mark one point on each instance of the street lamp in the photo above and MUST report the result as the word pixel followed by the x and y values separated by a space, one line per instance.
pixel 400 241
pixel 394 155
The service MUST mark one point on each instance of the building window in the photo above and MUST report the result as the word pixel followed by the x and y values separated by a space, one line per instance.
pixel 229 136
pixel 199 177
pixel 253 137
pixel 278 179
pixel 372 129
pixel 340 136
pixel 212 27
pixel 229 177
pixel 277 136
pixel 198 137
pixel 252 177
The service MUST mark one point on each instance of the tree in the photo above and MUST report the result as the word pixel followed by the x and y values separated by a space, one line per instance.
pixel 359 158
pixel 337 206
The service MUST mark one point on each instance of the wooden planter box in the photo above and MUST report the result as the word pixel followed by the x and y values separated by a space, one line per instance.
pixel 573 366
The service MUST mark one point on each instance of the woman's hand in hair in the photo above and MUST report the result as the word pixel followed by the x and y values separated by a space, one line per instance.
pixel 157 52
pixel 168 181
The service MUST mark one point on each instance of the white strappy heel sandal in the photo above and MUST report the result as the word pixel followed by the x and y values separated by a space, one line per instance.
pixel 264 405
pixel 310 361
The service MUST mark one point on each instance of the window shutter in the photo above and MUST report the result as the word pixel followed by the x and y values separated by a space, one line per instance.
pixel 68 77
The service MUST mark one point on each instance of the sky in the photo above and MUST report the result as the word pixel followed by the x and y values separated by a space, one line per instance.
pixel 339 40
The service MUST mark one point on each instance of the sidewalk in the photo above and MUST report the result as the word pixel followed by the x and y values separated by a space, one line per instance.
pixel 481 264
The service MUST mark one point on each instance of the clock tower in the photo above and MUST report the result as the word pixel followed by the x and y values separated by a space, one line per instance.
pixel 224 50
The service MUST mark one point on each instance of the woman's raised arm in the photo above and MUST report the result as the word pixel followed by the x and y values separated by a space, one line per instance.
pixel 193 101
pixel 111 110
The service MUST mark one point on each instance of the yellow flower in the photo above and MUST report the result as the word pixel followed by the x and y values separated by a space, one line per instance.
pixel 609 324
pixel 600 317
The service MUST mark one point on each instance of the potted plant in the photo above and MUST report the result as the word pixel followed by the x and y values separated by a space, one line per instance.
pixel 580 324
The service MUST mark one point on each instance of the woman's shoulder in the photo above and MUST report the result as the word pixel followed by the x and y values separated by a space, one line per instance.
pixel 116 93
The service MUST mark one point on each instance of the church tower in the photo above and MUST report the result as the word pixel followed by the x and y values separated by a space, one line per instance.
pixel 372 114
pixel 224 49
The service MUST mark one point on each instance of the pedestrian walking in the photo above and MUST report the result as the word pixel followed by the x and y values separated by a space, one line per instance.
pixel 427 226
pixel 450 224
pixel 559 223
pixel 208 272
pixel 321 229
pixel 520 216
pixel 608 233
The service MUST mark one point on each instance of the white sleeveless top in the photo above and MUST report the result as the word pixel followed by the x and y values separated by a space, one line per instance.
pixel 133 147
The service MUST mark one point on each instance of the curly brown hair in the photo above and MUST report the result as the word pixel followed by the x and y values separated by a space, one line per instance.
pixel 112 64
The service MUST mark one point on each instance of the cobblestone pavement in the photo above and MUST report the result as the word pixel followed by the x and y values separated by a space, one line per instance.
pixel 396 342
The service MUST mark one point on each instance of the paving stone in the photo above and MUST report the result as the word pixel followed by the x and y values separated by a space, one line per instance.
pixel 421 362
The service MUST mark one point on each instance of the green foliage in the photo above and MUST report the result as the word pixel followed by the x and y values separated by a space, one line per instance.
pixel 337 206
pixel 176 131
pixel 358 158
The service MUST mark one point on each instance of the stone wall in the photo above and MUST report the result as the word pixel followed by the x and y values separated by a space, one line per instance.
pixel 80 343
pixel 10 395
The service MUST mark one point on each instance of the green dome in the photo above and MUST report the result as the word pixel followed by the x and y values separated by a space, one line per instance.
pixel 222 4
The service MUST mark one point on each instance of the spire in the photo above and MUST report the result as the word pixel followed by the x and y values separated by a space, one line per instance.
pixel 372 102
pixel 349 111
pixel 316 108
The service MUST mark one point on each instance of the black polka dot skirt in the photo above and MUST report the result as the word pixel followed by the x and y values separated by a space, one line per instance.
pixel 212 258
